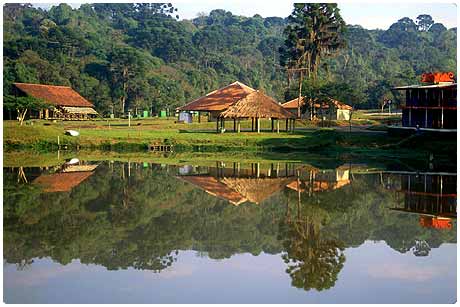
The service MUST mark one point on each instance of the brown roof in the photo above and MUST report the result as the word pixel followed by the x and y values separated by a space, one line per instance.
pixel 257 104
pixel 61 182
pixel 56 95
pixel 318 185
pixel 256 190
pixel 214 187
pixel 292 104
pixel 238 190
pixel 220 99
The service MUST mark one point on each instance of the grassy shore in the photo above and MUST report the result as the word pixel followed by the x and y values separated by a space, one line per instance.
pixel 201 137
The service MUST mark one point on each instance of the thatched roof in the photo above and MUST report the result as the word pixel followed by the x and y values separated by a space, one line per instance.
pixel 212 186
pixel 238 190
pixel 256 190
pixel 292 104
pixel 220 99
pixel 56 95
pixel 257 105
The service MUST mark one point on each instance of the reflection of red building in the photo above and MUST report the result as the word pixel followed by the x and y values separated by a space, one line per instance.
pixel 435 222
pixel 432 196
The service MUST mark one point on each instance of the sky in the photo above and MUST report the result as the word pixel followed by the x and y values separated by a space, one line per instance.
pixel 370 15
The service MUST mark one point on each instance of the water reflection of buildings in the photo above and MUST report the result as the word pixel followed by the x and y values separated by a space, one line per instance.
pixel 238 184
pixel 323 180
pixel 253 183
pixel 67 177
pixel 433 196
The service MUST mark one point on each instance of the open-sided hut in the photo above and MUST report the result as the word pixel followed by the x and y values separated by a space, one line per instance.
pixel 218 101
pixel 238 190
pixel 257 105
pixel 67 103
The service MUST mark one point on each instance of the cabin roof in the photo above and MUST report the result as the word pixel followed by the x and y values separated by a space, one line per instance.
pixel 61 182
pixel 292 104
pixel 56 95
pixel 259 105
pixel 219 99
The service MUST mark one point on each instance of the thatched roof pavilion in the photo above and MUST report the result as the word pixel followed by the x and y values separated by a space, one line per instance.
pixel 257 105
pixel 238 190
pixel 220 99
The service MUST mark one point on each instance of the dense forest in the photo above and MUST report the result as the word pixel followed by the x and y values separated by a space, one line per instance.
pixel 143 221
pixel 141 56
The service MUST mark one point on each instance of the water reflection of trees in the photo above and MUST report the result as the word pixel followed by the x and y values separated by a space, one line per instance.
pixel 313 256
pixel 141 216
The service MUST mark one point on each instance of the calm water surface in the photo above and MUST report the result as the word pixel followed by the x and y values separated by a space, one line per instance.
pixel 119 232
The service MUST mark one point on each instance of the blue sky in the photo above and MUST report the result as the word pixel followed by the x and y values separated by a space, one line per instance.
pixel 370 15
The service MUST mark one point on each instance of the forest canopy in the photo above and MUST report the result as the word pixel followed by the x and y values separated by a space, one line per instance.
pixel 143 57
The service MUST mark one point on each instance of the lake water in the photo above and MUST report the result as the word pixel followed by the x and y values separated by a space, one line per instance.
pixel 272 232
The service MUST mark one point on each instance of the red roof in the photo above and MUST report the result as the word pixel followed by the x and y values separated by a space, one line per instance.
pixel 61 182
pixel 292 104
pixel 56 95
pixel 220 99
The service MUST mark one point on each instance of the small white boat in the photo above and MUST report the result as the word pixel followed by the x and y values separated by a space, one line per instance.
pixel 72 133
pixel 73 161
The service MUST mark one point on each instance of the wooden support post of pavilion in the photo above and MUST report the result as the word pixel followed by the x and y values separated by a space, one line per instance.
pixel 273 124
pixel 258 124
pixel 293 125
pixel 217 125
pixel 277 126
pixel 234 124
pixel 199 117
pixel 239 125
pixel 287 120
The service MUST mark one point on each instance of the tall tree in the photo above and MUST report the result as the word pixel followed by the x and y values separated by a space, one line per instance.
pixel 424 22
pixel 315 31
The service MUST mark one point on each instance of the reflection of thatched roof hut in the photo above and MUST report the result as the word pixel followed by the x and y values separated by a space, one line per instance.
pixel 212 186
pixel 238 190
pixel 255 190
pixel 257 105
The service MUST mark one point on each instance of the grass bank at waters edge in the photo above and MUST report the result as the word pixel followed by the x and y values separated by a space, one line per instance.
pixel 42 136
pixel 29 158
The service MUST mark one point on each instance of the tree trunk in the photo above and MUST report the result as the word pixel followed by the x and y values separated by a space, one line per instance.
pixel 22 116
pixel 300 94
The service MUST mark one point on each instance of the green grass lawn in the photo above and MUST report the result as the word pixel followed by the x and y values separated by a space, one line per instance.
pixel 117 135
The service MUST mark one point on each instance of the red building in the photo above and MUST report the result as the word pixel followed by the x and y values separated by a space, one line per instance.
pixel 431 105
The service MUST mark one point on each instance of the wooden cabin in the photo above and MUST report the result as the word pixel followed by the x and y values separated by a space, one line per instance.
pixel 339 110
pixel 432 105
pixel 67 103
